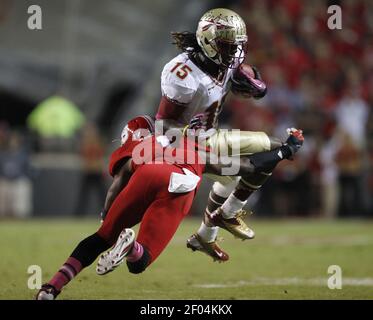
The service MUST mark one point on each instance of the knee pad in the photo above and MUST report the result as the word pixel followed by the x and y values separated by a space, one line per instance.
pixel 224 191
pixel 141 264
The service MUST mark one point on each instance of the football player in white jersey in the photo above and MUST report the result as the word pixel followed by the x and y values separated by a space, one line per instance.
pixel 194 85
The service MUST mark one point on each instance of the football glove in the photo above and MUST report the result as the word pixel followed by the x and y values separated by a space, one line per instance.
pixel 295 140
pixel 243 84
pixel 197 127
pixel 198 122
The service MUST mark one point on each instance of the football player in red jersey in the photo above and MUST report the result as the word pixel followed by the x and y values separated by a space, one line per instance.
pixel 155 188
pixel 194 85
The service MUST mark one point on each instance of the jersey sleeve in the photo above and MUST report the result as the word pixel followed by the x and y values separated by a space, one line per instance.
pixel 119 156
pixel 177 82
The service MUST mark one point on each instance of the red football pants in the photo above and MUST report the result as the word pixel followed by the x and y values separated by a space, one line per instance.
pixel 146 199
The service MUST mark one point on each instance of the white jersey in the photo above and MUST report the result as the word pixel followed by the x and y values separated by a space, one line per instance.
pixel 183 82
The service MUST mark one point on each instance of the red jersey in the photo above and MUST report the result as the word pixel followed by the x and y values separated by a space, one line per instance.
pixel 149 150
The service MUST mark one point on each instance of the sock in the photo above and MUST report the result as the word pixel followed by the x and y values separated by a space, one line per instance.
pixel 231 206
pixel 67 272
pixel 136 252
pixel 214 201
pixel 141 264
pixel 208 234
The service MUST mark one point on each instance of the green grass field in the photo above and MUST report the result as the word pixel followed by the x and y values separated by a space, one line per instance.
pixel 287 260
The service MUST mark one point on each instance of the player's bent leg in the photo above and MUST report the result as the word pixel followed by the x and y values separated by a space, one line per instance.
pixel 160 223
pixel 88 249
pixel 204 239
pixel 239 143
pixel 236 142
pixel 83 255
pixel 164 212
pixel 127 209
pixel 229 215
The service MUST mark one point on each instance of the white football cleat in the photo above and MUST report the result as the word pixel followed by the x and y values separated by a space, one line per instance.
pixel 115 256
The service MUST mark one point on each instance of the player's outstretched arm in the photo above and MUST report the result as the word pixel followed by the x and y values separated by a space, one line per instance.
pixel 120 180
pixel 170 112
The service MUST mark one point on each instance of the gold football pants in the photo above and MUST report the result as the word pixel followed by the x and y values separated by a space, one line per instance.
pixel 234 143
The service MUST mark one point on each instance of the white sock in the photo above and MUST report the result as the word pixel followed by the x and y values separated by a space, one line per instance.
pixel 207 233
pixel 231 206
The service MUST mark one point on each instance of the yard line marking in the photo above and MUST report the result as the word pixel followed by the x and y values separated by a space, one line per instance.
pixel 338 240
pixel 286 281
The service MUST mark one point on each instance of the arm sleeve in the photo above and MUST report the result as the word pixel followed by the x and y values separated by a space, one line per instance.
pixel 169 109
pixel 120 155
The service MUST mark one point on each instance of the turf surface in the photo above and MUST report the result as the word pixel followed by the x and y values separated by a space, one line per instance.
pixel 287 260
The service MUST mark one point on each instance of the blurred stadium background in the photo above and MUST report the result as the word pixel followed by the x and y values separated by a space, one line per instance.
pixel 67 90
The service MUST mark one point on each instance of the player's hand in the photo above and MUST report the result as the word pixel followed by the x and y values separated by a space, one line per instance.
pixel 198 122
pixel 197 127
pixel 295 140
pixel 248 84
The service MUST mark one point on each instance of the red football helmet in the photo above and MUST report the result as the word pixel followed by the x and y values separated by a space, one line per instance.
pixel 138 129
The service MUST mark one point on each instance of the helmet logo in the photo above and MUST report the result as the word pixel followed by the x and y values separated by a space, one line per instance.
pixel 220 34
pixel 217 24
pixel 124 135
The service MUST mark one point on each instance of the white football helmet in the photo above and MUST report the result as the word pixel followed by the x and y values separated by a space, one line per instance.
pixel 221 34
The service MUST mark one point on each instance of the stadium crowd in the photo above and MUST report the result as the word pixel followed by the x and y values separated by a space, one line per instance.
pixel 320 80
pixel 15 174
